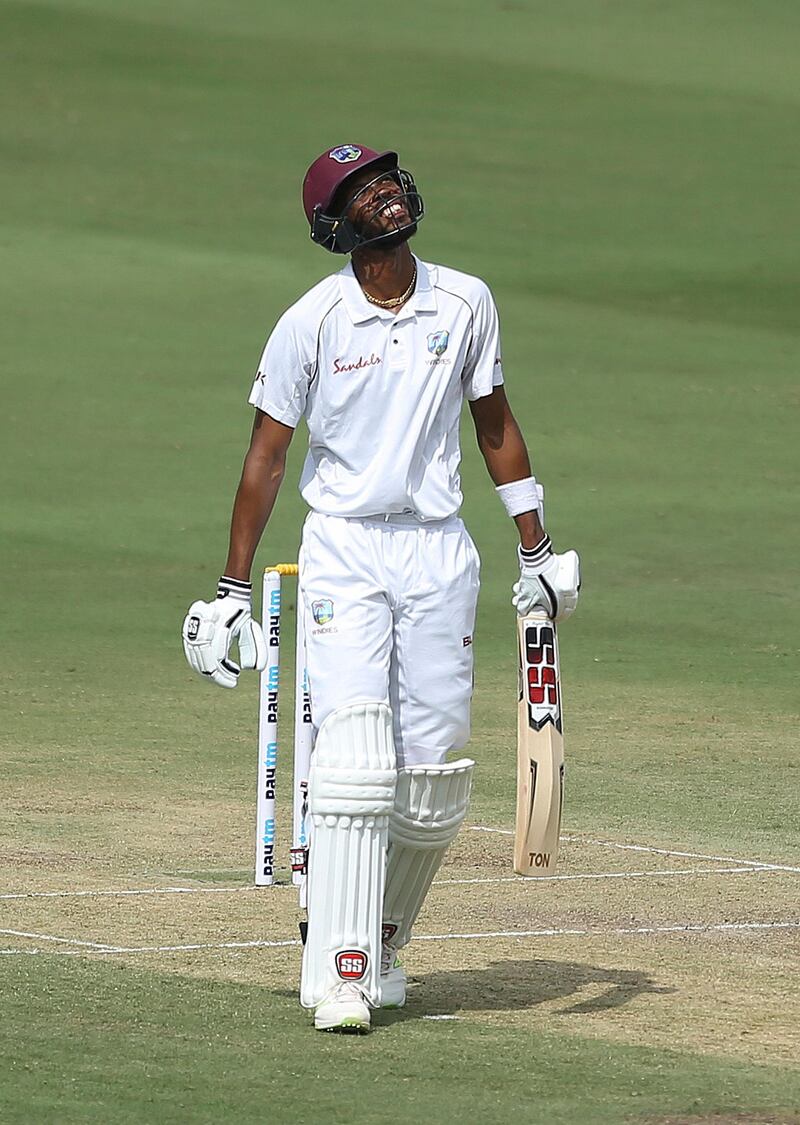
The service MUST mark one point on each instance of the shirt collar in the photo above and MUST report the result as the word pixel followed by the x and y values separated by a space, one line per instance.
pixel 360 310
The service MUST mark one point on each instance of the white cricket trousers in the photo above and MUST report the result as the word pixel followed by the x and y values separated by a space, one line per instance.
pixel 390 613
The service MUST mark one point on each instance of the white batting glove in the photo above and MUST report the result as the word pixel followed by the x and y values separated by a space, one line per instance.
pixel 547 580
pixel 210 628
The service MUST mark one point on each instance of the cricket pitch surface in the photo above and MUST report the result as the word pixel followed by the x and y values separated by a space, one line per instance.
pixel 629 941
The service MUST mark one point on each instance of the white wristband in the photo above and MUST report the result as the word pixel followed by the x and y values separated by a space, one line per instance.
pixel 520 496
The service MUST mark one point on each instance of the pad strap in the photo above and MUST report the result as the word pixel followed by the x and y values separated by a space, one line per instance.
pixel 430 804
pixel 334 792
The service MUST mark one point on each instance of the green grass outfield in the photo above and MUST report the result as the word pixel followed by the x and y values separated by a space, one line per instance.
pixel 624 176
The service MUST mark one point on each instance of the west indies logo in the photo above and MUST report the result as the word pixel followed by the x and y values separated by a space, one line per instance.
pixel 345 154
pixel 438 341
pixel 322 611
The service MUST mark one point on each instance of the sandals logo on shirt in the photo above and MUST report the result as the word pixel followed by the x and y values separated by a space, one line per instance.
pixel 322 611
pixel 359 364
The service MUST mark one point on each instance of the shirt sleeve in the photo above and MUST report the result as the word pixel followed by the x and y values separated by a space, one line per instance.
pixel 280 387
pixel 483 370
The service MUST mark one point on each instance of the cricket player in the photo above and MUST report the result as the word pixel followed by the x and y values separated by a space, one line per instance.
pixel 378 358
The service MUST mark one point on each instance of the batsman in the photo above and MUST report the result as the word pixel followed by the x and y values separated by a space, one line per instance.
pixel 378 359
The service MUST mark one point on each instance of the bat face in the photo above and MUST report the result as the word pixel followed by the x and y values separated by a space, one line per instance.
pixel 540 748
pixel 540 685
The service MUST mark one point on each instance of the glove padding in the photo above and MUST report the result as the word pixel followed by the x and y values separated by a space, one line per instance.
pixel 547 580
pixel 210 628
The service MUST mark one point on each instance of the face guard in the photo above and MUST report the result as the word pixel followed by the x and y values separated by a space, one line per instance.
pixel 327 201
pixel 343 234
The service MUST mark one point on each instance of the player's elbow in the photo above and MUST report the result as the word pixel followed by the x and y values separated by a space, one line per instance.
pixel 264 465
pixel 491 440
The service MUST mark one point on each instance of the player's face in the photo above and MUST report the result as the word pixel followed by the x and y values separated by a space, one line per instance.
pixel 378 207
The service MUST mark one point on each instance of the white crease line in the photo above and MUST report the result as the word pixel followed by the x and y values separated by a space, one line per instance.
pixel 683 855
pixel 202 945
pixel 683 928
pixel 647 848
pixel 33 952
pixel 751 865
pixel 100 945
pixel 533 879
pixel 143 891
pixel 437 883
pixel 193 948
pixel 623 931
pixel 232 872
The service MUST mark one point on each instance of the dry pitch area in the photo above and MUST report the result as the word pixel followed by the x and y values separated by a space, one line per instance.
pixel 655 946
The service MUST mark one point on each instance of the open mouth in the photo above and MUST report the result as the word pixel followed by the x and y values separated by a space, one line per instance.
pixel 395 211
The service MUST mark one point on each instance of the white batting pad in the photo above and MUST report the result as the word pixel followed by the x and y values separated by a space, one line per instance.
pixel 430 805
pixel 351 792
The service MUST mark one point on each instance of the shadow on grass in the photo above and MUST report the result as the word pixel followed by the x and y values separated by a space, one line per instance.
pixel 516 985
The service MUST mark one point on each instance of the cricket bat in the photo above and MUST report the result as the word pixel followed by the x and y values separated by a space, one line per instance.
pixel 540 748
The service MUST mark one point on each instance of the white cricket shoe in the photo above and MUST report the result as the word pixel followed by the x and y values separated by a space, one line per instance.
pixel 392 980
pixel 344 1009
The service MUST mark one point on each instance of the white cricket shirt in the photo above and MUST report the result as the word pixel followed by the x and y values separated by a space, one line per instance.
pixel 382 393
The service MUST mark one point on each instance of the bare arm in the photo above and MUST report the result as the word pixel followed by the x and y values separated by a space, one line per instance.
pixel 505 453
pixel 262 474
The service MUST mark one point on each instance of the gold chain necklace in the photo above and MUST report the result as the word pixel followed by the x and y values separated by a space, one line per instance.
pixel 393 302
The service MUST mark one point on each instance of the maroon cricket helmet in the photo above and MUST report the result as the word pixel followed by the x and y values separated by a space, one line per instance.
pixel 328 174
